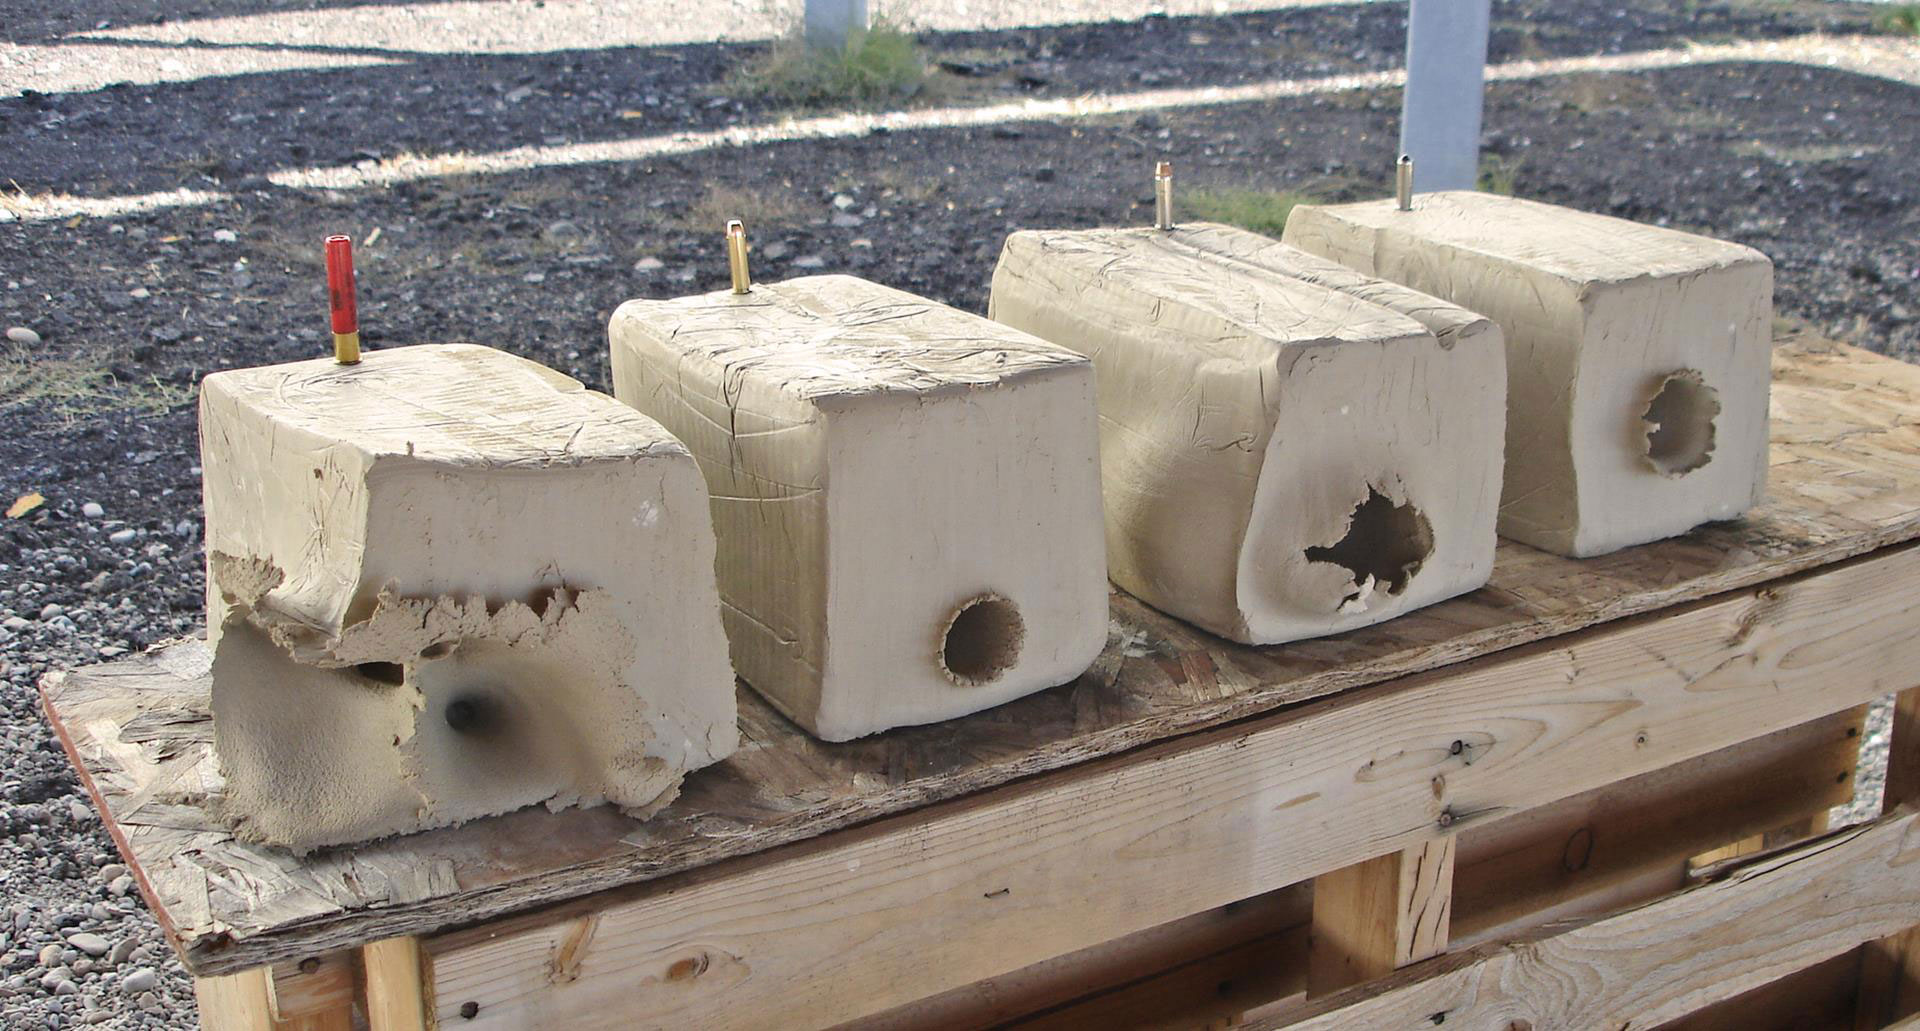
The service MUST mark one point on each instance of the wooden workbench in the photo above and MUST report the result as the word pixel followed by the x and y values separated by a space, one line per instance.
pixel 1158 825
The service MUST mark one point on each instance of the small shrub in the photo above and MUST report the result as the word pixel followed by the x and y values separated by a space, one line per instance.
pixel 1899 20
pixel 879 64
pixel 721 202
pixel 1497 175
pixel 78 387
pixel 1262 211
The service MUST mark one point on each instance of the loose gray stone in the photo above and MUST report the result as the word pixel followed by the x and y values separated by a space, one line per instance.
pixel 124 536
pixel 809 261
pixel 90 943
pixel 123 949
pixel 51 611
pixel 141 980
pixel 92 510
pixel 226 236
pixel 22 335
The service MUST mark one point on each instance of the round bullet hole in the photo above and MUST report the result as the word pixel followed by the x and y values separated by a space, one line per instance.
pixel 1679 424
pixel 981 640
pixel 466 714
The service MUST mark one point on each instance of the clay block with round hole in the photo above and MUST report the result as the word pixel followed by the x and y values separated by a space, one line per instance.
pixel 906 496
pixel 1637 357
pixel 1289 449
pixel 446 583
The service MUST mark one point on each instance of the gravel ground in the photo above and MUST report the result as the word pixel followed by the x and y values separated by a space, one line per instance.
pixel 1808 164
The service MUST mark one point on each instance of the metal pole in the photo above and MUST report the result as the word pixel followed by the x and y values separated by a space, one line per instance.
pixel 1446 71
pixel 828 23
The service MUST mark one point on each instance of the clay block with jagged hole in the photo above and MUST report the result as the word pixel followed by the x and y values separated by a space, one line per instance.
pixel 446 583
pixel 906 496
pixel 1289 449
pixel 1637 357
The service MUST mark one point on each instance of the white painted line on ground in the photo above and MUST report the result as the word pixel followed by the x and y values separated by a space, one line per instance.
pixel 1870 55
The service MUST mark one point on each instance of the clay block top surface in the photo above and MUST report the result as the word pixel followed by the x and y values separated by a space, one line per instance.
pixel 459 404
pixel 1576 245
pixel 837 336
pixel 1221 272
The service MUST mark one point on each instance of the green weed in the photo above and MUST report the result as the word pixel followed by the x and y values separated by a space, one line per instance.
pixel 883 63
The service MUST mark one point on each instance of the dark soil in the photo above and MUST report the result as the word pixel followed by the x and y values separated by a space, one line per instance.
pixel 134 139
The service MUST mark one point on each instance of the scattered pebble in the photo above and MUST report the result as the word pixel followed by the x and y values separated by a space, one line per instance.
pixel 810 261
pixel 92 510
pixel 90 943
pixel 123 536
pixel 51 611
pixel 141 980
pixel 846 220
pixel 226 236
pixel 22 335
pixel 649 264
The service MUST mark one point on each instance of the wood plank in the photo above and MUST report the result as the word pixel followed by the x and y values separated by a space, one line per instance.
pixel 1238 943
pixel 1660 961
pixel 235 1002
pixel 1630 841
pixel 317 993
pixel 396 992
pixel 1212 992
pixel 1380 914
pixel 1845 481
pixel 1903 753
pixel 1819 998
pixel 1889 988
pixel 880 915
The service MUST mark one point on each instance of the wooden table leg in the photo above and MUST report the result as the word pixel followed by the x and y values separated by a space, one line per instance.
pixel 1890 967
pixel 235 1002
pixel 396 988
pixel 1372 917
pixel 250 1000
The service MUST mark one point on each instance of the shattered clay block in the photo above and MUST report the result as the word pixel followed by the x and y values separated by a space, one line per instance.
pixel 906 496
pixel 1288 449
pixel 1637 357
pixel 445 583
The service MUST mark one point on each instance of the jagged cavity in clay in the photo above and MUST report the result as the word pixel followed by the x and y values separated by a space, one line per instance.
pixel 1384 547
pixel 1679 424
pixel 981 640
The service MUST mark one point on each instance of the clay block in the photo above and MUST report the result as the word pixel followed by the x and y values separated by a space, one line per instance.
pixel 1288 449
pixel 1637 357
pixel 906 496
pixel 445 583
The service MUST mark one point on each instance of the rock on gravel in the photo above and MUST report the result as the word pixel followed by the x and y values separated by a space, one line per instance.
pixel 91 944
pixel 22 335
pixel 141 980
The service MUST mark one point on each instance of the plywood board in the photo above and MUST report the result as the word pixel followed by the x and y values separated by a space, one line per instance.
pixel 1845 481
